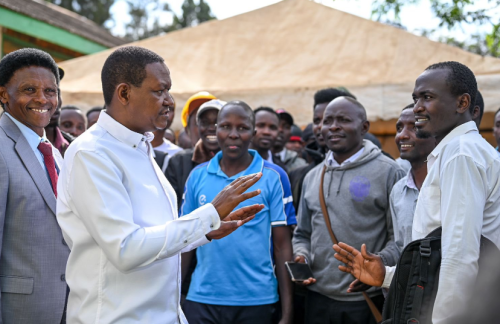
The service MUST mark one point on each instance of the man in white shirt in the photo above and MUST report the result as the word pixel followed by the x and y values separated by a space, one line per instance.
pixel 460 192
pixel 117 211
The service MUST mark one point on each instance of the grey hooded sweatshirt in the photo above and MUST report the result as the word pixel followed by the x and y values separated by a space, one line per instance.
pixel 357 198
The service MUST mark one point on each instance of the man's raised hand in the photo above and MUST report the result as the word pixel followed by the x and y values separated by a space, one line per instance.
pixel 233 194
pixel 234 220
pixel 365 266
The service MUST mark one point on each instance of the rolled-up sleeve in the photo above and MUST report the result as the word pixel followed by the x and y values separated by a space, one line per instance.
pixel 105 209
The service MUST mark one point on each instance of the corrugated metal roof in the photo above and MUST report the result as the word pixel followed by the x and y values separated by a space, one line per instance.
pixel 64 19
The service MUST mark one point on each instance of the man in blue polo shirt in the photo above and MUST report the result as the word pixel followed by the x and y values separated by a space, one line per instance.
pixel 240 285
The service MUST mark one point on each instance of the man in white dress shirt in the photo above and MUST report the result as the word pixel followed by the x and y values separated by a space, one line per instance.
pixel 117 211
pixel 461 192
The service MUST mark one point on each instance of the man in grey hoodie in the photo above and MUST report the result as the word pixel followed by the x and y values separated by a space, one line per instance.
pixel 357 185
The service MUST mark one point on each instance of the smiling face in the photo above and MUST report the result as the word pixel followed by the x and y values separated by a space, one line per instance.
pixel 207 128
pixel 318 113
pixel 343 128
pixel 234 132
pixel 73 122
pixel 411 147
pixel 149 105
pixel 30 96
pixel 266 130
pixel 437 110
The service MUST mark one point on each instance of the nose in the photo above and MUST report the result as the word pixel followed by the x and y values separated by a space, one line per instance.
pixel 334 125
pixel 233 133
pixel 41 97
pixel 168 100
pixel 418 108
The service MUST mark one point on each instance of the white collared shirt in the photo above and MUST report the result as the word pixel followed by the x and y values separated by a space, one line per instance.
pixel 333 163
pixel 118 214
pixel 461 193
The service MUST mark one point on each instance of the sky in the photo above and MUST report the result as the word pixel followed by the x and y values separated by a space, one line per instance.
pixel 413 17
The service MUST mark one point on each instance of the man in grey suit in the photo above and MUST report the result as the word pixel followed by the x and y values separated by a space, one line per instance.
pixel 33 253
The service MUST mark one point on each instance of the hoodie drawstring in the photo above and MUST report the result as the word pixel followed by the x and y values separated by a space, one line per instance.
pixel 340 182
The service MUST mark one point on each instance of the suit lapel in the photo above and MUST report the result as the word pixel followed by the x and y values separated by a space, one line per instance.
pixel 30 161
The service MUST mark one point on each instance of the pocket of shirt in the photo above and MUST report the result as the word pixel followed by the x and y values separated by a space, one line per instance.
pixel 428 211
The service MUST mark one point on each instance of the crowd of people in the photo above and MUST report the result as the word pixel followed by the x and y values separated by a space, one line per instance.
pixel 109 216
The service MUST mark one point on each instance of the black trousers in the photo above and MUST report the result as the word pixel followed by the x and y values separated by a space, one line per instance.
pixel 323 310
pixel 198 313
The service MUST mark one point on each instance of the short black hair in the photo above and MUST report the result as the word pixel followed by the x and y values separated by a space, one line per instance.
pixel 460 80
pixel 480 104
pixel 241 104
pixel 358 105
pixel 268 109
pixel 126 65
pixel 410 106
pixel 70 107
pixel 22 58
pixel 327 95
pixel 94 109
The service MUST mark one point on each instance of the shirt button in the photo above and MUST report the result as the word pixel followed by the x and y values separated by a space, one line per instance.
pixel 135 146
pixel 211 225
pixel 185 241
pixel 63 277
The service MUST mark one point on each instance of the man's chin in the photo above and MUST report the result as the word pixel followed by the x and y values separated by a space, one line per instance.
pixel 422 134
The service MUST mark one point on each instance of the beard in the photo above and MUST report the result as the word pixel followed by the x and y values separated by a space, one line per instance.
pixel 423 134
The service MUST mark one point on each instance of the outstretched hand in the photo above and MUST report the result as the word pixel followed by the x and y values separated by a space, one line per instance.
pixel 234 220
pixel 234 193
pixel 365 266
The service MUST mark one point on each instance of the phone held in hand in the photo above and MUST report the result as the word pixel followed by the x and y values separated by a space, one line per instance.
pixel 299 271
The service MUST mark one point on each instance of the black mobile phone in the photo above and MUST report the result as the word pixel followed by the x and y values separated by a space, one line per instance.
pixel 299 271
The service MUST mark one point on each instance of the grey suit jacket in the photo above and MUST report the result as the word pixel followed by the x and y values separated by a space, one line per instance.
pixel 33 253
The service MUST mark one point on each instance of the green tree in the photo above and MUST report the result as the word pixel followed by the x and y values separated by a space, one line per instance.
pixel 452 14
pixel 95 10
pixel 192 15
pixel 144 21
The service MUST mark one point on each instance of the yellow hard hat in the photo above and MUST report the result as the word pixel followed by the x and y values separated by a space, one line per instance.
pixel 193 103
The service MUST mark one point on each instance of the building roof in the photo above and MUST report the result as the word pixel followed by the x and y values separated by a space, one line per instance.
pixel 280 55
pixel 64 19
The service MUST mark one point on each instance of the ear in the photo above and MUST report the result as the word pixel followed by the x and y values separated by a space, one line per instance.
pixel 475 113
pixel 365 127
pixel 464 102
pixel 4 96
pixel 122 93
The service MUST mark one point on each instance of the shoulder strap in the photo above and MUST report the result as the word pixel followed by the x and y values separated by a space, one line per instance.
pixel 375 312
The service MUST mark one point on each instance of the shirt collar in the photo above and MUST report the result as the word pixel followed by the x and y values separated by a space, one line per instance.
pixel 456 132
pixel 410 182
pixel 122 133
pixel 333 163
pixel 256 166
pixel 32 137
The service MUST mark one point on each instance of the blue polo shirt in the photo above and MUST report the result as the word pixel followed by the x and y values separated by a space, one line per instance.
pixel 238 270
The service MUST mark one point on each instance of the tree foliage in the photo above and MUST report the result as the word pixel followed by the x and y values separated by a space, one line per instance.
pixel 96 10
pixel 144 25
pixel 453 14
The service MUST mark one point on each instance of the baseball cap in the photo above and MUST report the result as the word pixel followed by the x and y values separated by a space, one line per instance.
pixel 212 104
pixel 193 103
pixel 296 134
pixel 285 115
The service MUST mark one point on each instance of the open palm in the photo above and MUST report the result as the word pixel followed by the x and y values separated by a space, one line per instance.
pixel 365 266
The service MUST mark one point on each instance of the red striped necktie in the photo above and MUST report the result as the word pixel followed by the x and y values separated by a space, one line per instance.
pixel 50 164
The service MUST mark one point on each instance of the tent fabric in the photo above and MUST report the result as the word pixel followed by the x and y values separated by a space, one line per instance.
pixel 280 55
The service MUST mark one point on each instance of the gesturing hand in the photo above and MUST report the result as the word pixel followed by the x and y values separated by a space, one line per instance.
pixel 366 267
pixel 234 220
pixel 233 194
